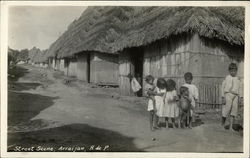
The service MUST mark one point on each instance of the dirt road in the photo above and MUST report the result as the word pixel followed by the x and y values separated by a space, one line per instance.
pixel 47 109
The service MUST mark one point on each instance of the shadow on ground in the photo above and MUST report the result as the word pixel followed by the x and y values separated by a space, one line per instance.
pixel 24 106
pixel 75 135
pixel 16 72
pixel 236 127
pixel 18 86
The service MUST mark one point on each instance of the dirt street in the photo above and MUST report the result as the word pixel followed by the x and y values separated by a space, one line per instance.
pixel 49 111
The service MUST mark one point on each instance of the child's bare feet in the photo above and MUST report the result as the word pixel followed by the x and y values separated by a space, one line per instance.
pixel 157 127
pixel 232 130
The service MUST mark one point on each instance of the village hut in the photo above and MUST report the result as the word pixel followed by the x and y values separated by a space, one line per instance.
pixel 108 44
pixel 33 55
pixel 38 57
pixel 170 41
pixel 43 59
pixel 85 49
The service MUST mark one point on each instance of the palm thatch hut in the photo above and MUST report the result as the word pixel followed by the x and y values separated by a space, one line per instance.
pixel 107 43
pixel 32 55
pixel 84 50
pixel 38 57
pixel 169 41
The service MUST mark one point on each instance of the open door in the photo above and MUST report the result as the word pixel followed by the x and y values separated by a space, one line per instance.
pixel 136 56
pixel 130 62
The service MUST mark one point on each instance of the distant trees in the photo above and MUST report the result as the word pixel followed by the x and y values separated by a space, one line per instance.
pixel 15 56
pixel 34 55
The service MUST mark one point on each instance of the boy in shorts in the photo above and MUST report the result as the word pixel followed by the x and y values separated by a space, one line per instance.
pixel 231 95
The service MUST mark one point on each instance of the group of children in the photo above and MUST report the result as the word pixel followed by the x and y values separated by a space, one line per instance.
pixel 165 102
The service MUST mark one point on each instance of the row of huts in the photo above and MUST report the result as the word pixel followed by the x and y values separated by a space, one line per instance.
pixel 105 44
pixel 38 57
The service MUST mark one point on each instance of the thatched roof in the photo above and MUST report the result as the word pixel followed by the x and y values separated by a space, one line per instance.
pixel 41 57
pixel 111 29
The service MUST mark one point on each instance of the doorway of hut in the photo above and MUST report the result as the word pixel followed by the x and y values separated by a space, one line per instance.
pixel 88 67
pixel 136 56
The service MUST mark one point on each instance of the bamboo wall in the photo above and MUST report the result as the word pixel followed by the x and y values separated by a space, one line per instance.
pixel 61 65
pixel 50 62
pixel 104 69
pixel 54 63
pixel 207 60
pixel 82 67
pixel 125 67
pixel 72 67
pixel 57 64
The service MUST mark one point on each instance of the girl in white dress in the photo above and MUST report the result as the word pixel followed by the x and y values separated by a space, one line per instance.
pixel 159 97
pixel 170 109
pixel 150 94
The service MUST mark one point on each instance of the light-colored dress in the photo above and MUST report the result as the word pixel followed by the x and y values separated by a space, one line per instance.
pixel 159 102
pixel 149 87
pixel 171 108
pixel 135 85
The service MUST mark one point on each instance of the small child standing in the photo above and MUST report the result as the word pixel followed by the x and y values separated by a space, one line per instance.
pixel 193 92
pixel 231 93
pixel 170 109
pixel 159 97
pixel 150 93
pixel 185 107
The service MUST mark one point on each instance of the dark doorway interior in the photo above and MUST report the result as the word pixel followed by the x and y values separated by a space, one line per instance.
pixel 88 67
pixel 137 62
pixel 66 65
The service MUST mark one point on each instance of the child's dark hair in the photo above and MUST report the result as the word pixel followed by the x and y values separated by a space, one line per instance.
pixel 183 90
pixel 161 83
pixel 130 76
pixel 170 85
pixel 149 78
pixel 232 66
pixel 188 76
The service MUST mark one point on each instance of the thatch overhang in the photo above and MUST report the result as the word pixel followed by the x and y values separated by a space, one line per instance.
pixel 111 29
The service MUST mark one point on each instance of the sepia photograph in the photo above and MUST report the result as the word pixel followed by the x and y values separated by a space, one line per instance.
pixel 126 78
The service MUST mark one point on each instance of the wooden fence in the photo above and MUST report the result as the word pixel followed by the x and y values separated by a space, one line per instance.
pixel 209 96
pixel 209 90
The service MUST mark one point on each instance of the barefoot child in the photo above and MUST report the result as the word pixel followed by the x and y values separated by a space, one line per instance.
pixel 170 109
pixel 193 92
pixel 150 93
pixel 159 97
pixel 185 107
pixel 231 93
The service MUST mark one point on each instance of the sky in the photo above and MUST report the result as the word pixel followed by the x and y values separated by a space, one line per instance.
pixel 36 26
